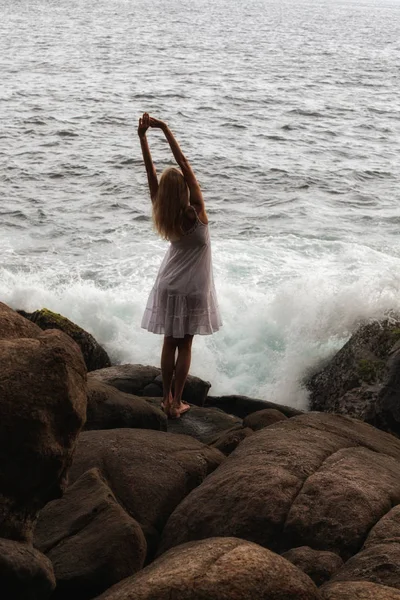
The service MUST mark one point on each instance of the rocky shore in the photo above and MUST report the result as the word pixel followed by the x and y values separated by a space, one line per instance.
pixel 102 497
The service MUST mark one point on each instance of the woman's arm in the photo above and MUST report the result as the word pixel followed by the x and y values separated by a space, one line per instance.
pixel 196 197
pixel 148 161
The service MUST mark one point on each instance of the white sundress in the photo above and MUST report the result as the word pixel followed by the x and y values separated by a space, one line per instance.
pixel 183 299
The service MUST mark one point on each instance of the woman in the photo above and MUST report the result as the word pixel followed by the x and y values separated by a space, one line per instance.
pixel 183 300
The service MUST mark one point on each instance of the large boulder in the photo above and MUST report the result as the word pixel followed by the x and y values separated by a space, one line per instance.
pixel 363 378
pixel 319 566
pixel 108 408
pixel 149 472
pixel 318 480
pixel 42 410
pixel 25 573
pixel 143 380
pixel 12 325
pixel 89 538
pixel 94 355
pixel 351 590
pixel 217 569
pixel 241 406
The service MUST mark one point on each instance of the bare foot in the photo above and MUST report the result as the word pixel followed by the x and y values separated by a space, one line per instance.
pixel 166 405
pixel 181 408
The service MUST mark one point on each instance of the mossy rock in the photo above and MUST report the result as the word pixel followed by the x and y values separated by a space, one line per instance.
pixel 94 355
pixel 369 370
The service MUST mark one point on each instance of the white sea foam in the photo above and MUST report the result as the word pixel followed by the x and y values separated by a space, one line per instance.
pixel 282 316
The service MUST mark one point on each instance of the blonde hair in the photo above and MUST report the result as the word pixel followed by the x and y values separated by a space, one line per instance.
pixel 170 204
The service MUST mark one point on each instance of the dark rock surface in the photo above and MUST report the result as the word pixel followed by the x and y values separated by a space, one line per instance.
pixel 42 409
pixel 241 406
pixel 94 355
pixel 149 472
pixel 363 378
pixel 89 538
pixel 108 408
pixel 318 565
pixel 217 569
pixel 318 480
pixel 25 573
pixel 143 380
pixel 263 418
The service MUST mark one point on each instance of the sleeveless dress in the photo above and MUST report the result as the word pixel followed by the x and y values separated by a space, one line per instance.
pixel 183 299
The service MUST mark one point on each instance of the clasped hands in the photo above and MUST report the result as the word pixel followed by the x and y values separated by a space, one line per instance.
pixel 146 121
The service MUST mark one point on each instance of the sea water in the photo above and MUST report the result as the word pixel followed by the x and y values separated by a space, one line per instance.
pixel 290 116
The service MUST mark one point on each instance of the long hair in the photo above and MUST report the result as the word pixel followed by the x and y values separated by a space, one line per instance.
pixel 170 203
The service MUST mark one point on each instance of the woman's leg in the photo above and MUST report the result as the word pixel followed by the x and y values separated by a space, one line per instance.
pixel 167 369
pixel 182 367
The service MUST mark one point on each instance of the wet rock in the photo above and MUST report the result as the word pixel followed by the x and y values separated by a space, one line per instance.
pixel 143 380
pixel 201 423
pixel 217 569
pixel 94 355
pixel 89 538
pixel 230 439
pixel 108 408
pixel 319 566
pixel 25 573
pixel 350 590
pixel 149 472
pixel 241 406
pixel 13 325
pixel 42 409
pixel 363 378
pixel 263 418
pixel 318 480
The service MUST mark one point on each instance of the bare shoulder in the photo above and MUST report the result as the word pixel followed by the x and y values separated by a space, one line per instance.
pixel 200 211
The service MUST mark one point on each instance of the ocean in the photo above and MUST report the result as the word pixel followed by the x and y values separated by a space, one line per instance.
pixel 290 116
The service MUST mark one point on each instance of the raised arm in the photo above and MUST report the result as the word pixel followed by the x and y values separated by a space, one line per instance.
pixel 148 161
pixel 196 197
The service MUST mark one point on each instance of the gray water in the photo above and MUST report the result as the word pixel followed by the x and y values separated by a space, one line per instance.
pixel 290 115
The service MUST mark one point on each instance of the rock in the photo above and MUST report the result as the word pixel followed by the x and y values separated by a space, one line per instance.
pixel 319 566
pixel 217 569
pixel 378 564
pixel 263 418
pixel 363 378
pixel 228 440
pixel 146 381
pixel 42 409
pixel 241 406
pixel 25 573
pixel 357 482
pixel 358 591
pixel 12 325
pixel 318 480
pixel 108 408
pixel 94 355
pixel 386 530
pixel 201 423
pixel 379 561
pixel 90 539
pixel 149 472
